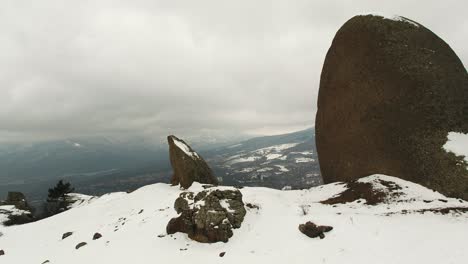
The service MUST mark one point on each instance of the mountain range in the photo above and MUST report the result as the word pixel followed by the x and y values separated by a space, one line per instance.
pixel 100 165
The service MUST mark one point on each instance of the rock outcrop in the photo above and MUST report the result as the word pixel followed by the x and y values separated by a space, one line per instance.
pixel 312 230
pixel 390 91
pixel 18 200
pixel 208 216
pixel 17 210
pixel 188 165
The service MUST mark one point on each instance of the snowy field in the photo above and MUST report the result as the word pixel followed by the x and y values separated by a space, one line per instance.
pixel 133 228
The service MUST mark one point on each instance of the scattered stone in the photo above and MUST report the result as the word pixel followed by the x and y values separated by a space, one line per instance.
pixel 96 236
pixel 2 252
pixel 460 211
pixel 47 261
pixel 141 211
pixel 188 165
pixel 252 206
pixel 390 91
pixel 208 216
pixel 311 230
pixel 67 234
pixel 222 254
pixel 81 244
pixel 161 236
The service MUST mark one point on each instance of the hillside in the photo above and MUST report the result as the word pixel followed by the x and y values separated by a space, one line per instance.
pixel 406 223
pixel 100 165
pixel 287 160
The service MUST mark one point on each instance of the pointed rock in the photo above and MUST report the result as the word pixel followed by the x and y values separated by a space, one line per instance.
pixel 188 165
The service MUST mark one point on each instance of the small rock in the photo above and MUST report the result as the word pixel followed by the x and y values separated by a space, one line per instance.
pixel 2 252
pixel 97 236
pixel 161 236
pixel 222 254
pixel 312 230
pixel 47 261
pixel 252 206
pixel 67 234
pixel 141 211
pixel 81 244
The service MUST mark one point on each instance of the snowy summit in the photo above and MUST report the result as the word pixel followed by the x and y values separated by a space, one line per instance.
pixel 384 221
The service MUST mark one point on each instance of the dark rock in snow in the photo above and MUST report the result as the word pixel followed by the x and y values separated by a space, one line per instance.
pixel 81 244
pixel 208 216
pixel 390 91
pixel 312 230
pixel 222 254
pixel 67 234
pixel 358 190
pixel 18 200
pixel 2 252
pixel 188 165
pixel 96 236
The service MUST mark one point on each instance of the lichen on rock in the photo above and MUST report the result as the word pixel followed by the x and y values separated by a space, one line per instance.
pixel 208 216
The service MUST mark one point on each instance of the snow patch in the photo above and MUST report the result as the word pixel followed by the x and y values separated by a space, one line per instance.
pixel 239 160
pixel 181 145
pixel 277 148
pixel 265 169
pixel 273 156
pixel 282 168
pixel 397 18
pixel 457 143
pixel 301 160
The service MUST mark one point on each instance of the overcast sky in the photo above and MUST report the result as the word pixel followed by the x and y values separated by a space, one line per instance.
pixel 74 68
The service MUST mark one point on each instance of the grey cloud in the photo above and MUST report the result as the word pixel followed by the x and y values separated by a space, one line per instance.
pixel 70 68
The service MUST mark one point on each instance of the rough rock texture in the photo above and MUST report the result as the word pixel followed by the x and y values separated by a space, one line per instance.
pixel 188 166
pixel 208 216
pixel 390 91
pixel 312 230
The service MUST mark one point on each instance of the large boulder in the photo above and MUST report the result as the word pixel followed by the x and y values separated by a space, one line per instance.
pixel 208 216
pixel 390 91
pixel 188 165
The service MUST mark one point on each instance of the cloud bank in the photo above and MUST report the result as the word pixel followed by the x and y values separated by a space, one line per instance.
pixel 76 68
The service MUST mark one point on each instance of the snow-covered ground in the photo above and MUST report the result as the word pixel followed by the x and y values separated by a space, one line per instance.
pixel 133 228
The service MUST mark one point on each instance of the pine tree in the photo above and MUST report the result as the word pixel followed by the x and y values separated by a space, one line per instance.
pixel 60 190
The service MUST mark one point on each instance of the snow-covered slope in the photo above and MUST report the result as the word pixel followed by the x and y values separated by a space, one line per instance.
pixel 274 161
pixel 405 227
